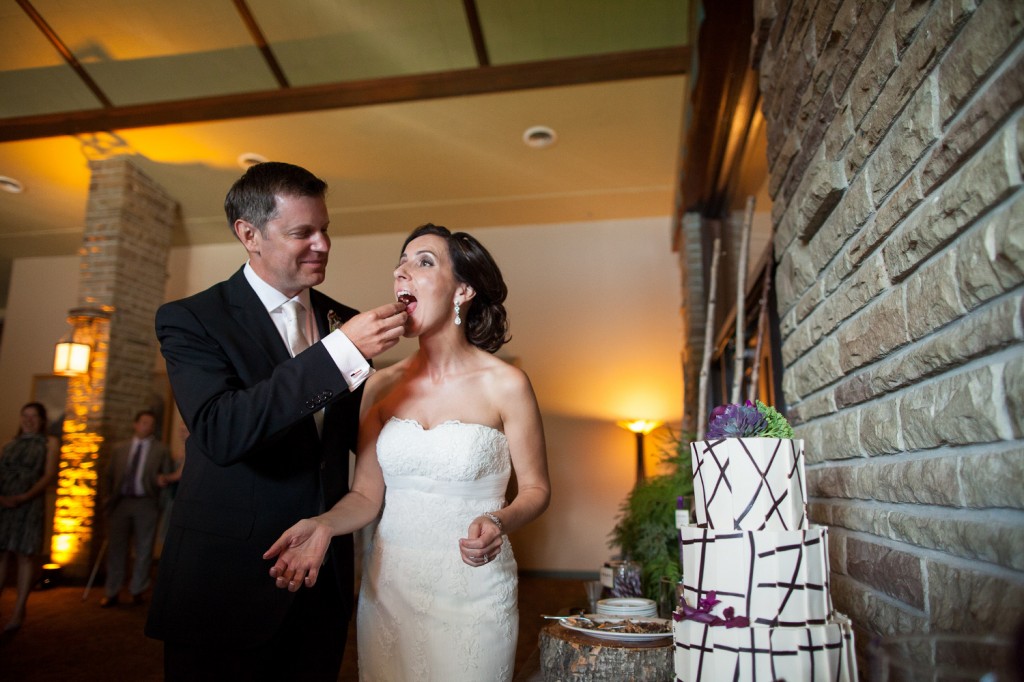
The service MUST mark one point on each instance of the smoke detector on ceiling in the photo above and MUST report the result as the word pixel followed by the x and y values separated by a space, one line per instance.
pixel 11 185
pixel 250 159
pixel 539 137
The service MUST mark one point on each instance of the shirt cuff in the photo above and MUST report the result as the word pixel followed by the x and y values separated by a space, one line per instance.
pixel 353 366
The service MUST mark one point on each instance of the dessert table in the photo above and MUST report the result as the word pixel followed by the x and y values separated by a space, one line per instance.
pixel 568 655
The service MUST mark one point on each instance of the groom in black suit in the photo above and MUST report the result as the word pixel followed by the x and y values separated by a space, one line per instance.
pixel 271 422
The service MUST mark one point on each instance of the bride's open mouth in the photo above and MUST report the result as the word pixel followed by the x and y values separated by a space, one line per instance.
pixel 408 299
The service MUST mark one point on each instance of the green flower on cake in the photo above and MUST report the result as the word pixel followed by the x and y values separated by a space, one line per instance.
pixel 749 420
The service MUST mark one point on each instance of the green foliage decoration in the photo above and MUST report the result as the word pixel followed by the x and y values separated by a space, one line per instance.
pixel 646 527
pixel 778 426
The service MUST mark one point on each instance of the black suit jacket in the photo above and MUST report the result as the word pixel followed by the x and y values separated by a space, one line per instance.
pixel 254 463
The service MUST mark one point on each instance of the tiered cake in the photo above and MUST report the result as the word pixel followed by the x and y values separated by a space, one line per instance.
pixel 755 573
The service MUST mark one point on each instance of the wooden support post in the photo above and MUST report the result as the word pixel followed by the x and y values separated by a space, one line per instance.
pixel 709 335
pixel 762 331
pixel 741 302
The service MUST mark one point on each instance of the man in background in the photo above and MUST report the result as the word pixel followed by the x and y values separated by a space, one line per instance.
pixel 132 482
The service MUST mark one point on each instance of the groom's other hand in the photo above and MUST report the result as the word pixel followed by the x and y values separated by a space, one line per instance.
pixel 374 331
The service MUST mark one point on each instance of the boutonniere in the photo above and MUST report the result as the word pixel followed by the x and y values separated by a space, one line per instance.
pixel 333 321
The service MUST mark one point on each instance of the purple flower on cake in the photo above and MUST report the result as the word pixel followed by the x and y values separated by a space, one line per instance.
pixel 748 420
pixel 702 614
pixel 736 421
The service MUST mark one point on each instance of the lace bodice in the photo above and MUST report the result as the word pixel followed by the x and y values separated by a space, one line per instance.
pixel 450 451
pixel 440 479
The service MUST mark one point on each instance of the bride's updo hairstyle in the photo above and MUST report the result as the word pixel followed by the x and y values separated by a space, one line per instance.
pixel 485 321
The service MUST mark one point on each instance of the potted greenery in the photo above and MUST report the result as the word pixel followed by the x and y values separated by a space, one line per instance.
pixel 646 528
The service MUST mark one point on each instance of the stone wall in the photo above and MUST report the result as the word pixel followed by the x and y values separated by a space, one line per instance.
pixel 896 148
pixel 129 221
pixel 123 269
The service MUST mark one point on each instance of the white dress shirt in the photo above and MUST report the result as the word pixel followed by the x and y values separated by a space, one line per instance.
pixel 350 362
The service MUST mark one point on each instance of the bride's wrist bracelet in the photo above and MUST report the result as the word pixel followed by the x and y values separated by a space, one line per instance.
pixel 496 521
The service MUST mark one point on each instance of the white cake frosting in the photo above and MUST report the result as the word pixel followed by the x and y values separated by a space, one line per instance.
pixel 749 484
pixel 816 653
pixel 771 577
pixel 755 566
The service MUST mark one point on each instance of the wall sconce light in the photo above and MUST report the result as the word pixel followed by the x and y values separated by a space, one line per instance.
pixel 70 358
pixel 640 427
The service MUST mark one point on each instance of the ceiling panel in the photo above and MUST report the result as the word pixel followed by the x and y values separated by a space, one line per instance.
pixel 185 76
pixel 152 50
pixel 530 30
pixel 121 30
pixel 329 41
pixel 23 46
pixel 33 77
pixel 27 92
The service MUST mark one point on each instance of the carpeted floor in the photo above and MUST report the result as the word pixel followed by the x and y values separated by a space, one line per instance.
pixel 68 638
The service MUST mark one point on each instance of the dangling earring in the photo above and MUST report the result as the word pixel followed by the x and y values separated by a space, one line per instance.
pixel 458 320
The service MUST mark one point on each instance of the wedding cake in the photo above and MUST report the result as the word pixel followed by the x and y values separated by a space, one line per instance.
pixel 756 602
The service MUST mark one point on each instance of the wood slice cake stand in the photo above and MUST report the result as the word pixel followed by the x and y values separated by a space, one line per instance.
pixel 570 656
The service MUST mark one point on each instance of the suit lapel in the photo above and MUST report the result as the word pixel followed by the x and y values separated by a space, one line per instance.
pixel 319 312
pixel 253 319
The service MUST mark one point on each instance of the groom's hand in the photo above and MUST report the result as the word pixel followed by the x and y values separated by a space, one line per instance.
pixel 374 331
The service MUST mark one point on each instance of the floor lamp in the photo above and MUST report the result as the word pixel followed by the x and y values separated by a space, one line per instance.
pixel 640 428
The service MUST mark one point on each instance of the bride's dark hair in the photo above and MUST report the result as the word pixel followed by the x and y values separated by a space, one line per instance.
pixel 485 321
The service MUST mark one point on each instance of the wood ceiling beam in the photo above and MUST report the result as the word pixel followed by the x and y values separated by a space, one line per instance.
pixel 725 90
pixel 553 73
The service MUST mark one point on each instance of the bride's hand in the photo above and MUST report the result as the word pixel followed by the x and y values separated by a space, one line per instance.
pixel 300 552
pixel 482 544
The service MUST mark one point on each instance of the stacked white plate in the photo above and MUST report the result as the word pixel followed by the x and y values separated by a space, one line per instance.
pixel 627 607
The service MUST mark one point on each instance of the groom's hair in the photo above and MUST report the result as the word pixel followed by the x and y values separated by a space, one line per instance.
pixel 252 197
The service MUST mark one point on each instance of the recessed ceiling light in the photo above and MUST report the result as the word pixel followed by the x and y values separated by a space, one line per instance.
pixel 250 159
pixel 539 137
pixel 11 185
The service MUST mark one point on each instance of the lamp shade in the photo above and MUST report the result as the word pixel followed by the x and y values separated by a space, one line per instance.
pixel 643 426
pixel 70 358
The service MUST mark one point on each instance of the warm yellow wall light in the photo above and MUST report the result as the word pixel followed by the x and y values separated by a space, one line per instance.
pixel 71 359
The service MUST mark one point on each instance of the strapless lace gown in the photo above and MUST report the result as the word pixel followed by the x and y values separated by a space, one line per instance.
pixel 423 614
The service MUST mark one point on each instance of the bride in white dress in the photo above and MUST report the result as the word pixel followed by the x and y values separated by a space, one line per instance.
pixel 441 433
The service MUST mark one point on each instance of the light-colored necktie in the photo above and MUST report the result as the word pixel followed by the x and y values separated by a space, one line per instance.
pixel 294 324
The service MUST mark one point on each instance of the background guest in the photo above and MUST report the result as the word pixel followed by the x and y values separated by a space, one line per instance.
pixel 132 485
pixel 27 465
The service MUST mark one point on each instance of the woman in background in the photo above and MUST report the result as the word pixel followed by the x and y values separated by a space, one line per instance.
pixel 27 465
pixel 441 433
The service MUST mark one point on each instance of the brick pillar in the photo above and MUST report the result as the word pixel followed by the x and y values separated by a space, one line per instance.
pixel 124 252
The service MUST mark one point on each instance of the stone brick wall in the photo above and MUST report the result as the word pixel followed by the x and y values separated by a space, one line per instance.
pixel 129 220
pixel 896 148
pixel 126 241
